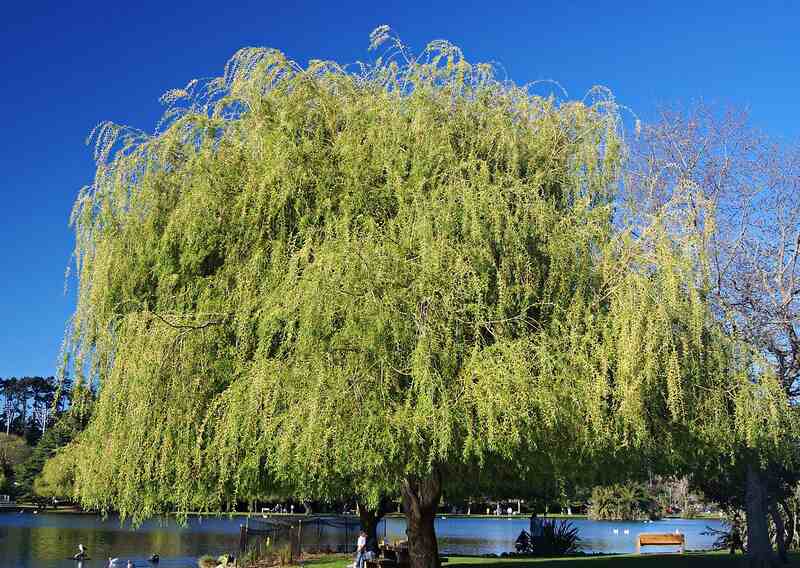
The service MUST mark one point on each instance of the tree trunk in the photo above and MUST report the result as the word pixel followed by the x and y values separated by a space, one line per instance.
pixel 420 501
pixel 780 532
pixel 791 518
pixel 369 523
pixel 759 548
pixel 370 518
pixel 735 537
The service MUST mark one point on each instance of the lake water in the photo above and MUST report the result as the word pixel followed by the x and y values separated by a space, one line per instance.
pixel 49 540
pixel 482 536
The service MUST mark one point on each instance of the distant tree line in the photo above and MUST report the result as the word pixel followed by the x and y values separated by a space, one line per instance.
pixel 40 416
pixel 30 404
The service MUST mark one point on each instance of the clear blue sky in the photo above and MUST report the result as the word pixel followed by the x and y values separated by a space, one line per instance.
pixel 67 65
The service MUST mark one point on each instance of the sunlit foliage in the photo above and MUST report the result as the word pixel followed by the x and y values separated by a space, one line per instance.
pixel 324 280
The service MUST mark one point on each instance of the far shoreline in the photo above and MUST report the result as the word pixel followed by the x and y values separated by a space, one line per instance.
pixel 75 510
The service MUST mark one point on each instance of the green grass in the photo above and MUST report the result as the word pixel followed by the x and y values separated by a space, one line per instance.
pixel 331 561
pixel 689 560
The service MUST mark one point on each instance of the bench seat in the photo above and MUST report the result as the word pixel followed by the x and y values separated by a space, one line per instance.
pixel 660 539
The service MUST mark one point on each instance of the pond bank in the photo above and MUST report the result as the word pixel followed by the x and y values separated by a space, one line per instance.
pixel 689 560
pixel 48 539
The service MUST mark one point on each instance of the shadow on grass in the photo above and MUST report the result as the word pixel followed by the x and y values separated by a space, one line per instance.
pixel 689 560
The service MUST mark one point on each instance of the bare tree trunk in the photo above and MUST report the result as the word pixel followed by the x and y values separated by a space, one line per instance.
pixel 780 532
pixel 370 518
pixel 420 501
pixel 759 548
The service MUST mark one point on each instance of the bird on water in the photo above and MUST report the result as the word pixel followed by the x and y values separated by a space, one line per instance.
pixel 81 554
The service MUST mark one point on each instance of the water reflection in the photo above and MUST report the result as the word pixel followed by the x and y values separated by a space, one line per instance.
pixel 49 540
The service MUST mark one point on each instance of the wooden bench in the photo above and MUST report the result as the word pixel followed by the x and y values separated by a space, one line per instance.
pixel 660 539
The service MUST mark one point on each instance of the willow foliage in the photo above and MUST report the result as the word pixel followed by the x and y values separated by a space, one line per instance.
pixel 322 280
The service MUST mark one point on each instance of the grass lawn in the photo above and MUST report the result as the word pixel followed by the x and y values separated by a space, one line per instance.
pixel 689 560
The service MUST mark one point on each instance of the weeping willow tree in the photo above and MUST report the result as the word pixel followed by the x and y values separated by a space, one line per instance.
pixel 378 280
pixel 730 191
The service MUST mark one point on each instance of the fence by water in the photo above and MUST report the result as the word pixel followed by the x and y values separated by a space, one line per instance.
pixel 316 534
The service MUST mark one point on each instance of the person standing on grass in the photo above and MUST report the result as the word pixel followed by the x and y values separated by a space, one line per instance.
pixel 361 549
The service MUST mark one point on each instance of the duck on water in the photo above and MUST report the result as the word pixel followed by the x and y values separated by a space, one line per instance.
pixel 82 553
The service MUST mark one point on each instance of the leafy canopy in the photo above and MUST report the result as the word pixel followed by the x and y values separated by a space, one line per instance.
pixel 323 280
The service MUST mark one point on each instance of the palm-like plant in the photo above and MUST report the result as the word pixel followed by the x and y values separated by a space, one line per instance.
pixel 558 537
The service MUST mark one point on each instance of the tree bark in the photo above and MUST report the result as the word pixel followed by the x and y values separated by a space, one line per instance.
pixel 791 526
pixel 735 537
pixel 780 532
pixel 370 518
pixel 420 501
pixel 759 548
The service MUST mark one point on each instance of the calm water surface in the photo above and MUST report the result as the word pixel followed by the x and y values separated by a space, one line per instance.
pixel 49 540
pixel 482 536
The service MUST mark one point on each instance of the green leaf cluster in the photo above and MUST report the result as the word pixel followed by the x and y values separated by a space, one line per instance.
pixel 321 281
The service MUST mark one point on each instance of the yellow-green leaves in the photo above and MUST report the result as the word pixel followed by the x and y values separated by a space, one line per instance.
pixel 319 281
